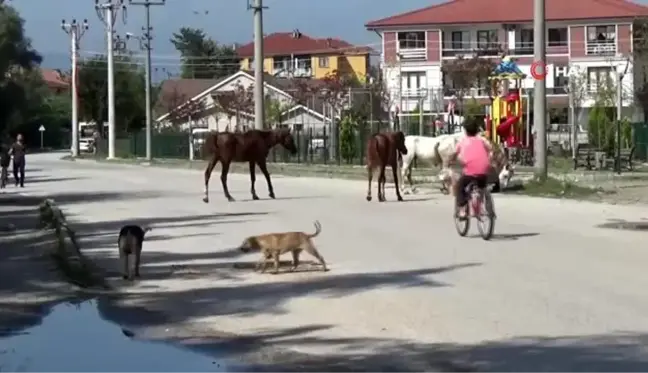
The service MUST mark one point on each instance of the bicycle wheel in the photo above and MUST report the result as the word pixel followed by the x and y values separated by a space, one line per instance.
pixel 486 218
pixel 462 224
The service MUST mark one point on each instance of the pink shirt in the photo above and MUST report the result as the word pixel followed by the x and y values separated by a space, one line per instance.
pixel 474 155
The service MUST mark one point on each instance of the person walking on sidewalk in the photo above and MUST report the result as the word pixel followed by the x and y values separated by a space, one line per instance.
pixel 18 152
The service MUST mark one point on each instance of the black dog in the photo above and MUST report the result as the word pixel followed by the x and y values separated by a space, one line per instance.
pixel 131 238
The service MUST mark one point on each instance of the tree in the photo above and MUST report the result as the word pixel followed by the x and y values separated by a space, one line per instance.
pixel 17 70
pixel 130 109
pixel 242 102
pixel 202 57
pixel 274 110
pixel 640 63
pixel 468 73
pixel 348 128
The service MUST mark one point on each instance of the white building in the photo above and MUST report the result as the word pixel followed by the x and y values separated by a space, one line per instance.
pixel 586 40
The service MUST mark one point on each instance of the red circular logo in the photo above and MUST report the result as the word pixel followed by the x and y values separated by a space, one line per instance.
pixel 538 70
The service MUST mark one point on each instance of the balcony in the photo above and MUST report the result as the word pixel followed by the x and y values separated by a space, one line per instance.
pixel 601 48
pixel 525 49
pixel 470 49
pixel 416 93
pixel 412 53
pixel 296 73
pixel 472 92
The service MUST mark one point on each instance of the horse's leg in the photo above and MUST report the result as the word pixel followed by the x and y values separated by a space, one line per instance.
pixel 369 178
pixel 224 171
pixel 253 180
pixel 208 171
pixel 381 184
pixel 264 169
pixel 406 171
pixel 395 174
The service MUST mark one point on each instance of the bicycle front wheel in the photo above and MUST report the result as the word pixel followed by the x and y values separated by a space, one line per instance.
pixel 462 224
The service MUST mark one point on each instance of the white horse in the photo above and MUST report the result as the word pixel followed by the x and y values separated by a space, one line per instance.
pixel 439 151
pixel 423 148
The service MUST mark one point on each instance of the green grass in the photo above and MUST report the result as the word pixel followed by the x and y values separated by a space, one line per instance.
pixel 556 188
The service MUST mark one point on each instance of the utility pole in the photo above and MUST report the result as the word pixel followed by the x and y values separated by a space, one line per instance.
pixel 76 32
pixel 107 13
pixel 145 43
pixel 619 117
pixel 540 89
pixel 259 110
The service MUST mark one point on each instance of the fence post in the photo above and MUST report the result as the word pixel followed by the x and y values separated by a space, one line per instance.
pixel 326 146
pixel 336 130
pixel 309 145
pixel 299 138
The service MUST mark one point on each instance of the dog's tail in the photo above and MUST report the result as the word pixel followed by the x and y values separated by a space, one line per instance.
pixel 318 229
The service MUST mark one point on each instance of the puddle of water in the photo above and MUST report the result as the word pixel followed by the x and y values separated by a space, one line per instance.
pixel 75 338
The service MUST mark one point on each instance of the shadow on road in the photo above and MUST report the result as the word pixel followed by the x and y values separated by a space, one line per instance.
pixel 511 236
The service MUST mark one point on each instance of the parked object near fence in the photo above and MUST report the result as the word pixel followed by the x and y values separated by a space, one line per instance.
pixel 252 146
pixel 382 151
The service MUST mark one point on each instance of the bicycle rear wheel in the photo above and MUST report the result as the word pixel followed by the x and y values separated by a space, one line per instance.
pixel 486 218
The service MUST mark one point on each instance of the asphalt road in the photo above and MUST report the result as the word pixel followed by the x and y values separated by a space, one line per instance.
pixel 551 291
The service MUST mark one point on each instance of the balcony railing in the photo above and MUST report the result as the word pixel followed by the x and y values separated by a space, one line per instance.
pixel 412 53
pixel 601 48
pixel 470 49
pixel 299 72
pixel 484 92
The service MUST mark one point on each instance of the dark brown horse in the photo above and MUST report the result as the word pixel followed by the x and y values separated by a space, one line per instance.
pixel 252 146
pixel 383 149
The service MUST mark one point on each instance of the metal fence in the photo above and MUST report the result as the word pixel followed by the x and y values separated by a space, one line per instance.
pixel 316 145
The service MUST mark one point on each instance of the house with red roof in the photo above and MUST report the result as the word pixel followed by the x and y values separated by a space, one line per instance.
pixel 589 37
pixel 56 81
pixel 293 54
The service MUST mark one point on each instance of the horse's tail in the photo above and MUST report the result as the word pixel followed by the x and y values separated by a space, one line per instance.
pixel 437 160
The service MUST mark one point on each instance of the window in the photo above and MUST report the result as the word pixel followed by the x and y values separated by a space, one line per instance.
pixel 557 37
pixel 526 39
pixel 281 64
pixel 601 34
pixel 414 80
pixel 411 40
pixel 323 62
pixel 599 76
pixel 457 40
pixel 486 39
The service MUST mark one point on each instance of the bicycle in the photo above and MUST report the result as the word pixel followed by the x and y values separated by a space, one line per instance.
pixel 479 207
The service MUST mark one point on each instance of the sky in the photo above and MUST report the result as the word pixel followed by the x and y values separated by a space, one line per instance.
pixel 226 21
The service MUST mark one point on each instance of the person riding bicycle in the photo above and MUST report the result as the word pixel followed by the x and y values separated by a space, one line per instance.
pixel 474 153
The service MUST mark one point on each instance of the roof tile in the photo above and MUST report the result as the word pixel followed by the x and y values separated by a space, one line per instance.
pixel 491 11
pixel 284 43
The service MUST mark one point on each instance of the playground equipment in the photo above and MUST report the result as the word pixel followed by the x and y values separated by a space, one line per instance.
pixel 505 120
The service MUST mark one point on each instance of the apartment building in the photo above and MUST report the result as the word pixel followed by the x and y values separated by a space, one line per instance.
pixel 593 37
pixel 293 54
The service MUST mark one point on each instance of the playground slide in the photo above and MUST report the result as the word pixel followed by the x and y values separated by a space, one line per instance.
pixel 504 128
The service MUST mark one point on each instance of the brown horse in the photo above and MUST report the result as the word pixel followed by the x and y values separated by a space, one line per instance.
pixel 252 146
pixel 384 149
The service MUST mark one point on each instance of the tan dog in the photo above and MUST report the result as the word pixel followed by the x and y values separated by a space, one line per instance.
pixel 272 245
